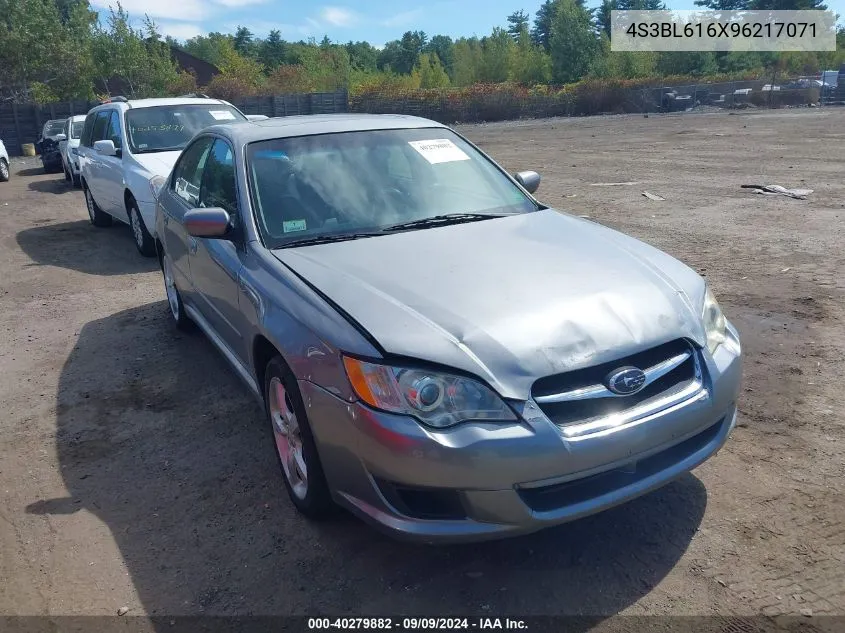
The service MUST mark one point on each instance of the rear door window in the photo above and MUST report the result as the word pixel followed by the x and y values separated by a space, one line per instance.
pixel 101 124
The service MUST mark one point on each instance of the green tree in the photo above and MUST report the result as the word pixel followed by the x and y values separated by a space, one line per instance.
pixel 497 53
pixel 388 57
pixel 603 16
pixel 41 44
pixel 140 59
pixel 787 5
pixel 723 5
pixel 622 64
pixel 468 61
pixel 271 51
pixel 431 72
pixel 530 64
pixel 441 45
pixel 243 42
pixel 208 47
pixel 640 5
pixel 517 21
pixel 696 63
pixel 362 56
pixel 573 44
pixel 541 33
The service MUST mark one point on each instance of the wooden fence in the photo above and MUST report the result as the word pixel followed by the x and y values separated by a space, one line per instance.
pixel 22 123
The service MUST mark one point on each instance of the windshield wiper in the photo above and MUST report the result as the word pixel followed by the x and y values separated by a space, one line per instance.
pixel 442 220
pixel 325 239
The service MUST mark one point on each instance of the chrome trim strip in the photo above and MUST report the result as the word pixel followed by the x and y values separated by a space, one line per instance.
pixel 600 391
pixel 692 392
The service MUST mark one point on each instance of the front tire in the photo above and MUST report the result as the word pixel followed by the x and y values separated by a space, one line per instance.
pixel 143 240
pixel 295 445
pixel 95 214
pixel 174 299
pixel 4 170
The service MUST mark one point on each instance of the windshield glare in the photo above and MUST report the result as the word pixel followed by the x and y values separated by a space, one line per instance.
pixel 76 129
pixel 169 128
pixel 355 182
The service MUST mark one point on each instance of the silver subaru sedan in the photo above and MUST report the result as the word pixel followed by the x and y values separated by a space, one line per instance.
pixel 435 350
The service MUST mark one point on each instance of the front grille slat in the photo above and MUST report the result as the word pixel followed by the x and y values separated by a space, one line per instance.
pixel 583 410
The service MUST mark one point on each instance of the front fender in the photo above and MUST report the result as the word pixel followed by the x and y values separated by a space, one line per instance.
pixel 305 328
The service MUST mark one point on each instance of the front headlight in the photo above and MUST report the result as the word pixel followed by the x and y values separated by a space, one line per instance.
pixel 714 321
pixel 436 399
pixel 156 184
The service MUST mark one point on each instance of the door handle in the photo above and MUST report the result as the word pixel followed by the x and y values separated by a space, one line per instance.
pixel 166 218
pixel 192 245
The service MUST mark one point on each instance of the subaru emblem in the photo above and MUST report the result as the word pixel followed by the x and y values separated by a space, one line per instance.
pixel 626 380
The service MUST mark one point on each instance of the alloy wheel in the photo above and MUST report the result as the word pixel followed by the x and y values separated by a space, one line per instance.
pixel 89 202
pixel 288 437
pixel 170 288
pixel 137 229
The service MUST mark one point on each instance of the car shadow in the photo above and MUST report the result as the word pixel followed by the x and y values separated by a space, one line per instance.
pixel 159 439
pixel 79 246
pixel 56 186
pixel 31 171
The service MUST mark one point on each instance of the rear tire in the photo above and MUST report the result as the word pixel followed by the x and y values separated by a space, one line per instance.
pixel 143 240
pixel 4 170
pixel 295 446
pixel 96 216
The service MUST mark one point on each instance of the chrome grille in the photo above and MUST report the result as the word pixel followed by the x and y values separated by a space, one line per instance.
pixel 580 397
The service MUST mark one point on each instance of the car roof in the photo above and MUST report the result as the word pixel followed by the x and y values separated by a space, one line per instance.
pixel 164 101
pixel 311 124
pixel 151 103
pixel 77 117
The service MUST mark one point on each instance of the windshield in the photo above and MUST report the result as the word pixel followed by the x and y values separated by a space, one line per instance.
pixel 54 127
pixel 76 128
pixel 169 128
pixel 354 182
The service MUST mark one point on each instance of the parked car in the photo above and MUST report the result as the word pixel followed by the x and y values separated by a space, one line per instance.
pixel 672 101
pixel 69 148
pixel 4 163
pixel 48 145
pixel 129 147
pixel 436 350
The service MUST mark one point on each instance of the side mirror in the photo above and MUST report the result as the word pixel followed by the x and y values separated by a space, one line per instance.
pixel 106 148
pixel 528 179
pixel 61 137
pixel 213 222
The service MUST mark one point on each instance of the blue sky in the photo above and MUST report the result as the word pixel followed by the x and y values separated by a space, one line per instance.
pixel 376 21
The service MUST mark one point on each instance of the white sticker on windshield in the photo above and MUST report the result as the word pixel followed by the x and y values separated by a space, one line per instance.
pixel 222 115
pixel 440 150
pixel 289 226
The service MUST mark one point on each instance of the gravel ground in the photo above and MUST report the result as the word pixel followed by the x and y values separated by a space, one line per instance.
pixel 136 471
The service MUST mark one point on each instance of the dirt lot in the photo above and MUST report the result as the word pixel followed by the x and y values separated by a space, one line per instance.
pixel 135 469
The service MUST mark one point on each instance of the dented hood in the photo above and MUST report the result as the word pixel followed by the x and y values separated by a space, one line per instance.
pixel 510 299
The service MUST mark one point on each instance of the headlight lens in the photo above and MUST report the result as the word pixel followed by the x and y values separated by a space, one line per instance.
pixel 439 400
pixel 156 184
pixel 714 321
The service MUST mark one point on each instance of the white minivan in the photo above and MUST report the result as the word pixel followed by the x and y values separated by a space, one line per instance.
pixel 128 149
